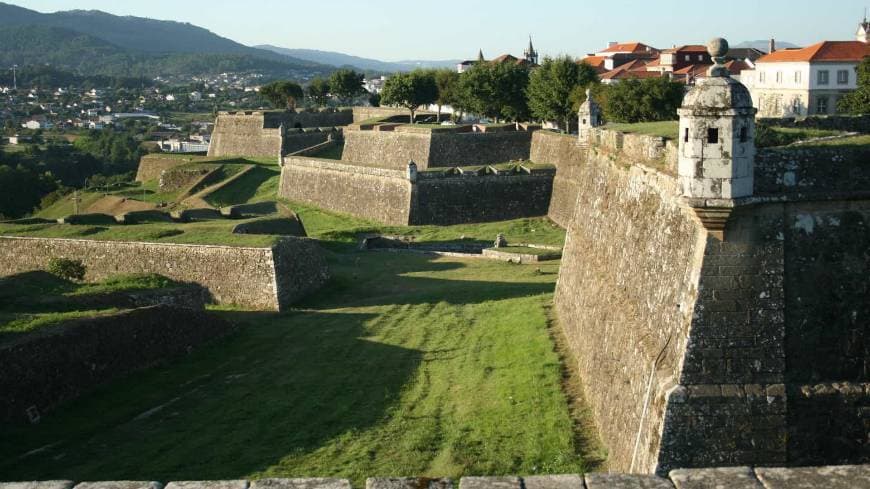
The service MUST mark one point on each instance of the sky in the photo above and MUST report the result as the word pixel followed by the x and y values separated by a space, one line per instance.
pixel 393 30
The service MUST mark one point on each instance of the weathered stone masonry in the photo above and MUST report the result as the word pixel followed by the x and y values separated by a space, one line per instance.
pixel 256 278
pixel 268 134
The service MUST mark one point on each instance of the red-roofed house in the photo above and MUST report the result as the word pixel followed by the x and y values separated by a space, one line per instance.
pixel 805 81
pixel 617 54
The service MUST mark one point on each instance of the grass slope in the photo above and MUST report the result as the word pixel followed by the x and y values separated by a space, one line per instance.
pixel 405 365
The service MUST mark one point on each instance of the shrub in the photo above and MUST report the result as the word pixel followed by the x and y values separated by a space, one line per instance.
pixel 67 269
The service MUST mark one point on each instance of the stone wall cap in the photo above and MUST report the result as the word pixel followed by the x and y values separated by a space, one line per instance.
pixel 301 483
pixel 832 477
pixel 559 481
pixel 408 483
pixel 168 245
pixel 490 483
pixel 208 484
pixel 120 485
pixel 626 481
pixel 53 484
pixel 730 477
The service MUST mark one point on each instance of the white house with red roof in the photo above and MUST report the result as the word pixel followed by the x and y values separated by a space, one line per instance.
pixel 805 81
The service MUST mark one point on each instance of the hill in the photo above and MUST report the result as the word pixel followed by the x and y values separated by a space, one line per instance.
pixel 340 59
pixel 93 41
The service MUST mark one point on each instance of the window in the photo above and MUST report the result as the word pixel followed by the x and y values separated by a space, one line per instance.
pixel 823 77
pixel 842 77
pixel 712 135
pixel 744 135
pixel 700 57
pixel 822 105
pixel 688 57
pixel 761 76
pixel 779 77
pixel 797 76
pixel 686 135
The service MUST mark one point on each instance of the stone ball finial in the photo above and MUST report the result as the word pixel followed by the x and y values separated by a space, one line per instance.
pixel 717 47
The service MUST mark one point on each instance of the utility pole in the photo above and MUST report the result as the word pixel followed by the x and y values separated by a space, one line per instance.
pixel 14 77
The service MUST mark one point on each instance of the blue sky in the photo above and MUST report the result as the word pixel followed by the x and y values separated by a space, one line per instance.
pixel 447 29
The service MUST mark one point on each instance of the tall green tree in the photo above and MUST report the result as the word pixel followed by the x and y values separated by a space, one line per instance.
pixel 318 91
pixel 647 100
pixel 553 86
pixel 858 101
pixel 346 84
pixel 410 90
pixel 495 90
pixel 282 94
pixel 447 82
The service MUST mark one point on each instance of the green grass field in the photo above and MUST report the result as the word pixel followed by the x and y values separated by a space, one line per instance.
pixel 664 129
pixel 405 364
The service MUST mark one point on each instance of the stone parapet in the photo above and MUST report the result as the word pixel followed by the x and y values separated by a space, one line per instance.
pixel 826 477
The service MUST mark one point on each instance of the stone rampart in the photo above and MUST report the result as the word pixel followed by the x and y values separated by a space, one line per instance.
pixel 689 346
pixel 42 370
pixel 828 477
pixel 244 134
pixel 372 193
pixel 390 197
pixel 430 149
pixel 812 172
pixel 457 199
pixel 254 278
pixel 365 113
pixel 153 165
pixel 386 149
pixel 567 155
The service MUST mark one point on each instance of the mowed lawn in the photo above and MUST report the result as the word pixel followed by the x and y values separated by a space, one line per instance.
pixel 404 365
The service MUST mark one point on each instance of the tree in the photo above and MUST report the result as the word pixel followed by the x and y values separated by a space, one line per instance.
pixel 410 90
pixel 648 100
pixel 553 86
pixel 495 90
pixel 858 101
pixel 446 81
pixel 346 84
pixel 282 93
pixel 318 91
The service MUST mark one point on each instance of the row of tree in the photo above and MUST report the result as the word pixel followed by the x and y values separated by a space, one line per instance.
pixel 552 92
pixel 343 84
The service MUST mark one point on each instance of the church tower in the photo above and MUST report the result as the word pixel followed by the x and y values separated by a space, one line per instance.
pixel 530 54
pixel 863 33
pixel 717 142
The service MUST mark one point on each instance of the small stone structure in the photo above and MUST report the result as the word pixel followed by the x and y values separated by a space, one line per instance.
pixel 256 278
pixel 829 477
pixel 717 142
pixel 589 117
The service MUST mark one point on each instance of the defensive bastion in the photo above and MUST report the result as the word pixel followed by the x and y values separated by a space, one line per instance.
pixel 715 299
pixel 260 134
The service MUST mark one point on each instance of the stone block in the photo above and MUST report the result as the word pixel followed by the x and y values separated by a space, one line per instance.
pixel 120 485
pixel 626 481
pixel 213 484
pixel 55 484
pixel 301 483
pixel 724 478
pixel 835 477
pixel 408 483
pixel 490 483
pixel 567 481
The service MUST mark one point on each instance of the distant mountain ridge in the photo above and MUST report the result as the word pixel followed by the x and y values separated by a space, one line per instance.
pixel 341 60
pixel 131 41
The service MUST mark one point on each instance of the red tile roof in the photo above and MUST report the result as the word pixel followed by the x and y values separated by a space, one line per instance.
pixel 687 48
pixel 629 47
pixel 823 51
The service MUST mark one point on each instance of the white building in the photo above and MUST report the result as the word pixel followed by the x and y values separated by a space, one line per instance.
pixel 806 81
pixel 37 124
pixel 375 85
pixel 195 96
pixel 178 146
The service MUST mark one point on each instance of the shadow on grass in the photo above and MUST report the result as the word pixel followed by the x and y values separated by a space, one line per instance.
pixel 242 189
pixel 375 278
pixel 283 384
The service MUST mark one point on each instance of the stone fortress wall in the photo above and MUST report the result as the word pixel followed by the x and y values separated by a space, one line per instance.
pixel 273 278
pixel 394 148
pixel 391 197
pixel 259 134
pixel 829 477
